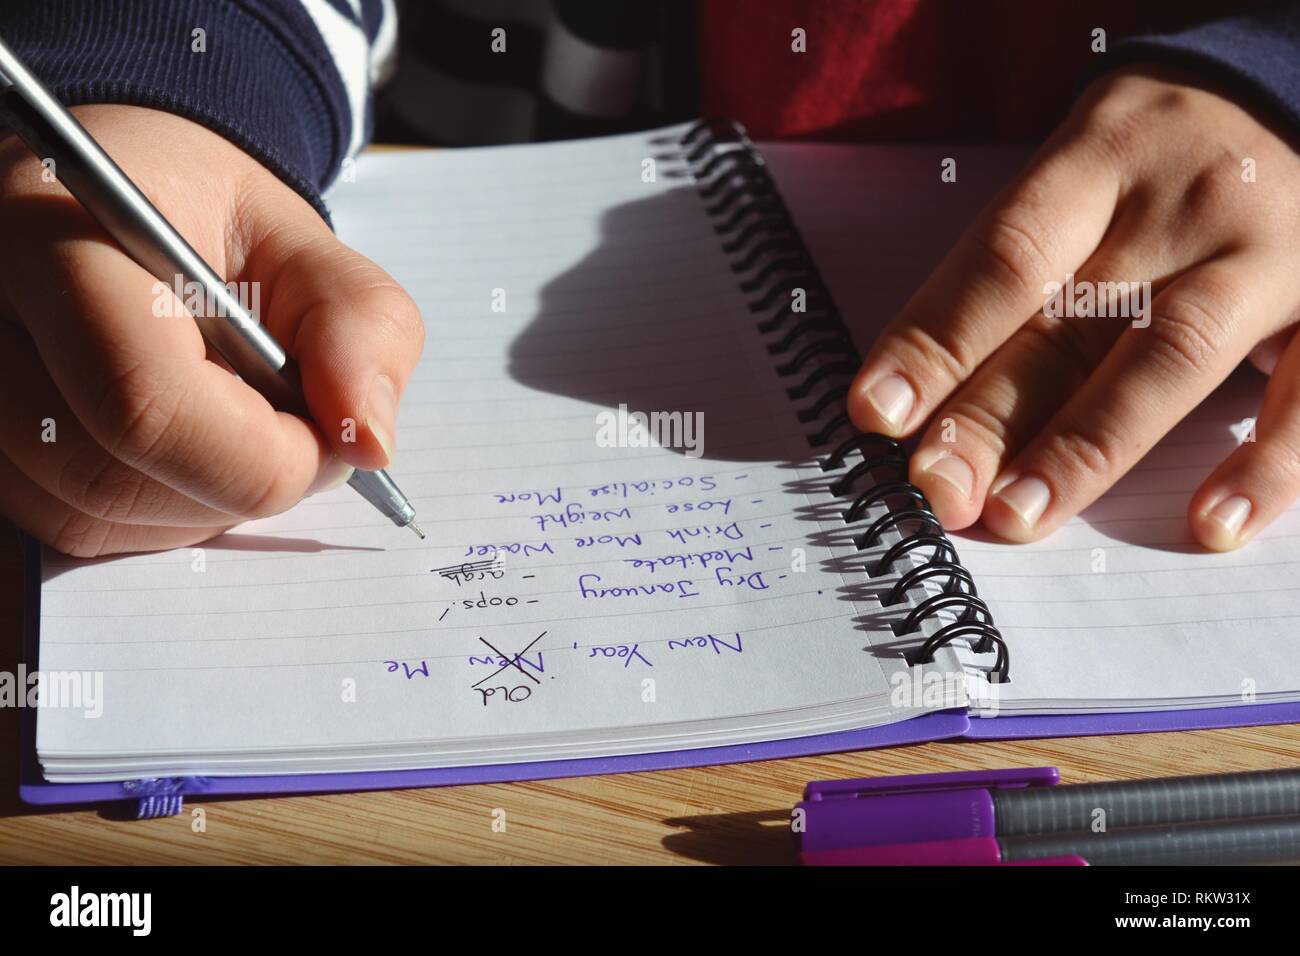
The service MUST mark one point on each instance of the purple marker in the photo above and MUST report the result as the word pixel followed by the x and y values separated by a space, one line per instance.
pixel 876 811
pixel 1002 815
pixel 1216 842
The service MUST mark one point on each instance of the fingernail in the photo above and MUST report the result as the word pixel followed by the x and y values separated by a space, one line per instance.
pixel 953 470
pixel 892 398
pixel 1230 514
pixel 335 473
pixel 381 412
pixel 1028 497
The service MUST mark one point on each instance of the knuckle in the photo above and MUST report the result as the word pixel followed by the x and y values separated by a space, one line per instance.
pixel 1062 339
pixel 1111 129
pixel 943 349
pixel 1191 330
pixel 1012 246
pixel 972 418
pixel 106 489
pixel 1212 192
pixel 136 411
pixel 268 495
pixel 397 311
pixel 267 499
pixel 81 536
pixel 1093 448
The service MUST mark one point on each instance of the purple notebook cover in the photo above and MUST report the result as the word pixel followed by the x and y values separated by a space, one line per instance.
pixel 939 726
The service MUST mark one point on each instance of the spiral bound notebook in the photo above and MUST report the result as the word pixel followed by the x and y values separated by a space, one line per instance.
pixel 654 539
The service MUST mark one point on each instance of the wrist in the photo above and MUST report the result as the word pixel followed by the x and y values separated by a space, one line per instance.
pixel 258 75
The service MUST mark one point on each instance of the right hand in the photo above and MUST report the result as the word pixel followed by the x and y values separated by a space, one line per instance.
pixel 155 445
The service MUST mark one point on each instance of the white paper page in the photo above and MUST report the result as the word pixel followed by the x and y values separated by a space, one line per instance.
pixel 1165 624
pixel 326 629
pixel 1120 608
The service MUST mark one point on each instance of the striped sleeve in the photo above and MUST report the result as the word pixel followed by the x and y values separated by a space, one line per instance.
pixel 289 81
pixel 1254 54
pixel 477 73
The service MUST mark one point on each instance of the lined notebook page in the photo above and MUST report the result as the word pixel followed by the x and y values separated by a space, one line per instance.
pixel 613 595
pixel 1119 609
pixel 1122 606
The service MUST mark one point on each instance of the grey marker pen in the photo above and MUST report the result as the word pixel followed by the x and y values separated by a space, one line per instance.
pixel 108 194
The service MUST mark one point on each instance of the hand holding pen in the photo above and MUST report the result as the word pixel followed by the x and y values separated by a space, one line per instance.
pixel 124 431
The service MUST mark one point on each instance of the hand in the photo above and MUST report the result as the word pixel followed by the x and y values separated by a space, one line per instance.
pixel 120 432
pixel 1144 181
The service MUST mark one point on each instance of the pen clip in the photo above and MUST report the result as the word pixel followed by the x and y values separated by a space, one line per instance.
pixel 1013 779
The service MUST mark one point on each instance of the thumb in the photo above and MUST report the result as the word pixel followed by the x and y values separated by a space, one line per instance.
pixel 354 331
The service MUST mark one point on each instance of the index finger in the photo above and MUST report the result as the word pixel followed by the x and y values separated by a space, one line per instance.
pixel 1039 228
pixel 355 332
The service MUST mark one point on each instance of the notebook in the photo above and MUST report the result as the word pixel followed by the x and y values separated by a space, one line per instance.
pixel 654 539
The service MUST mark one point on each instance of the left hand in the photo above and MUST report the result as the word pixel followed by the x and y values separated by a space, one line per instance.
pixel 1144 181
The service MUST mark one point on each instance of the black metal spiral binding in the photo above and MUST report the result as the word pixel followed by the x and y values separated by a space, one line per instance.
pixel 772 262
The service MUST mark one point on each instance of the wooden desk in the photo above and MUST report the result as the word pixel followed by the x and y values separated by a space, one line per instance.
pixel 732 814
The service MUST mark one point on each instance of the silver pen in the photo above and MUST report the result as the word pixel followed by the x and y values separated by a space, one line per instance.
pixel 108 194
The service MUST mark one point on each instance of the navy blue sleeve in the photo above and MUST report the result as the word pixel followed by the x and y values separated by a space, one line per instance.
pixel 1256 53
pixel 286 80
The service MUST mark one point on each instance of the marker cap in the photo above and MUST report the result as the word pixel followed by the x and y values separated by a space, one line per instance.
pixel 874 811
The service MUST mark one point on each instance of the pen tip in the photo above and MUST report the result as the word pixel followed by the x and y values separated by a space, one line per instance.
pixel 416 528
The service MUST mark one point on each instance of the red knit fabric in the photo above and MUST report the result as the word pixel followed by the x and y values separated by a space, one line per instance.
pixel 913 69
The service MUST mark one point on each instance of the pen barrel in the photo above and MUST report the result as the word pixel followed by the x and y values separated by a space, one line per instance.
pixel 382 492
pixel 107 193
pixel 1267 840
pixel 1135 803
